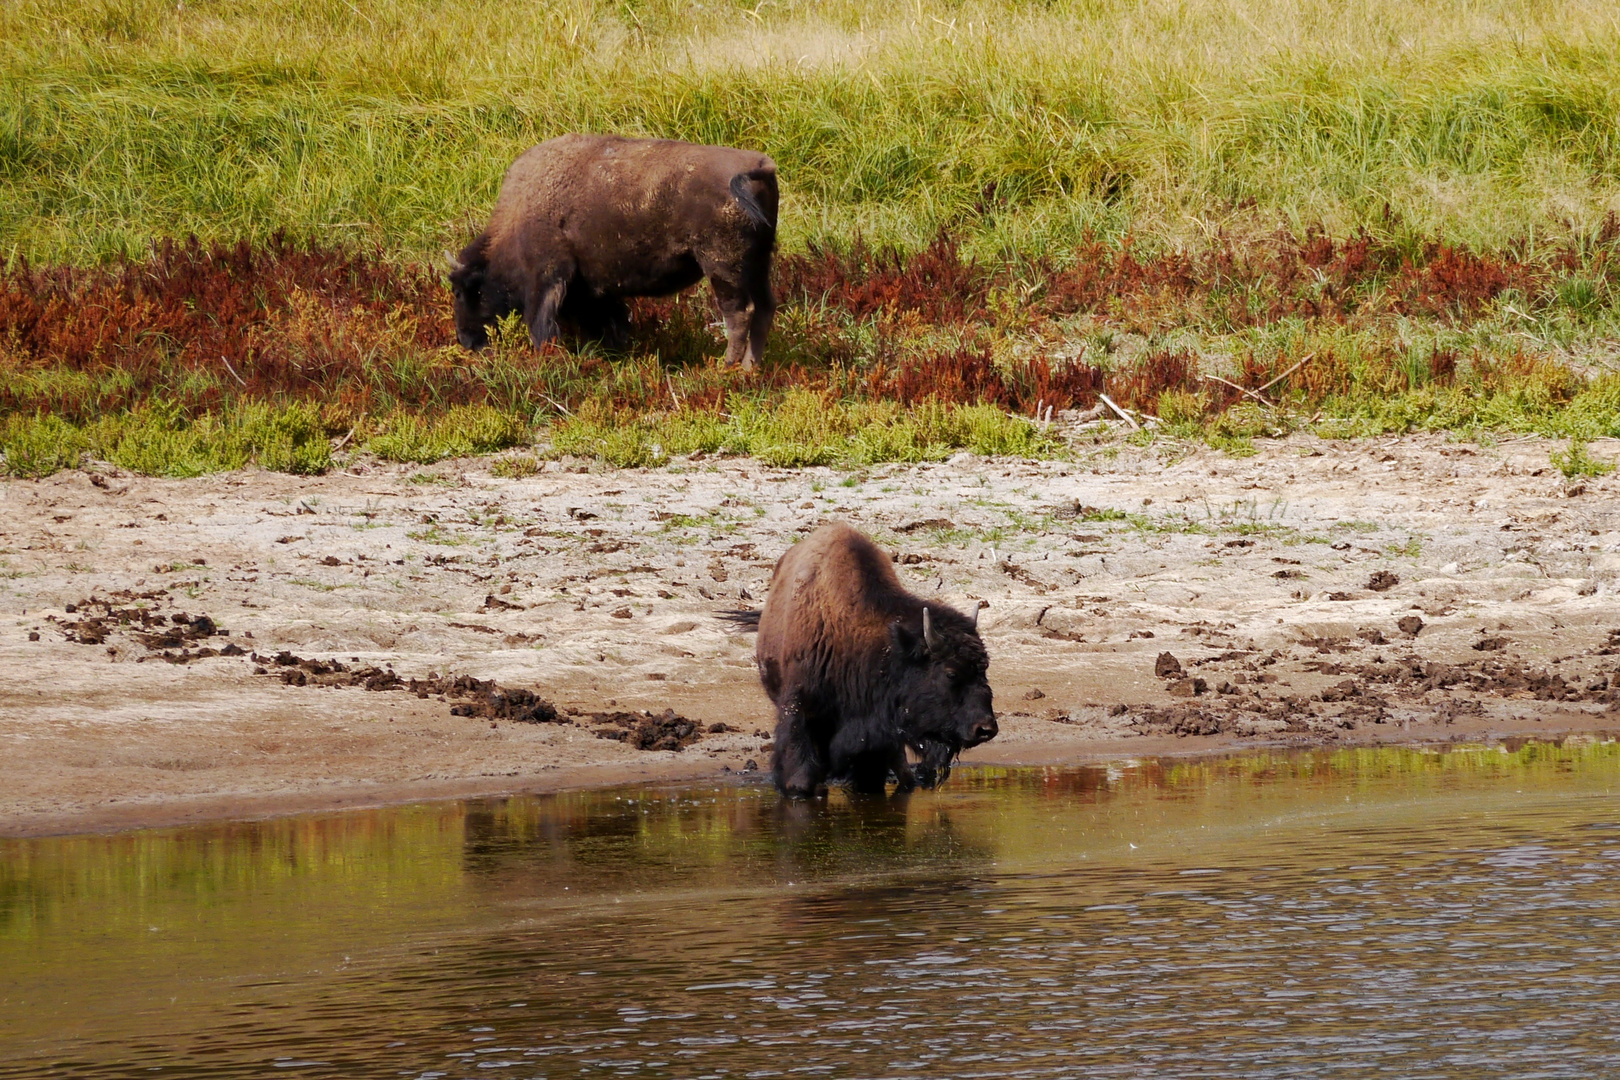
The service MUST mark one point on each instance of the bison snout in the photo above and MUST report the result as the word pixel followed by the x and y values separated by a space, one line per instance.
pixel 983 732
pixel 472 342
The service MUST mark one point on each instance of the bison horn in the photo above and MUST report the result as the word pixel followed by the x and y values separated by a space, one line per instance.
pixel 976 608
pixel 455 263
pixel 929 638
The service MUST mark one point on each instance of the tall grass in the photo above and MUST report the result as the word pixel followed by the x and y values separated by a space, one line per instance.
pixel 1019 124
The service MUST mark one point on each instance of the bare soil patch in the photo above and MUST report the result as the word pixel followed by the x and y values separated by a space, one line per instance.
pixel 255 643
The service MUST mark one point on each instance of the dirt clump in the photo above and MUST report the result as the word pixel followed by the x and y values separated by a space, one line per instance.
pixel 474 697
pixel 667 730
pixel 171 637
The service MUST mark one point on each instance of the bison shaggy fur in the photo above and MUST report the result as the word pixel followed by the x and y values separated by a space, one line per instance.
pixel 859 669
pixel 583 221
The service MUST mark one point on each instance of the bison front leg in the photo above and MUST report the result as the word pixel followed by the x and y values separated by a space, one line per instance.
pixel 615 323
pixel 905 779
pixel 540 309
pixel 797 763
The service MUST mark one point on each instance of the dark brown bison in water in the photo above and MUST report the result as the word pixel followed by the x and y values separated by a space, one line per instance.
pixel 584 221
pixel 859 669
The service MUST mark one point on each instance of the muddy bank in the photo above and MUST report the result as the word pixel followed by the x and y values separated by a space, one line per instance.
pixel 252 642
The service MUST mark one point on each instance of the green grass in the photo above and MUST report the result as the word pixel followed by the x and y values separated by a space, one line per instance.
pixel 460 432
pixel 157 442
pixel 803 428
pixel 1026 124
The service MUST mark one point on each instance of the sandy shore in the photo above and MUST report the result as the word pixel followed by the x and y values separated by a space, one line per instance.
pixel 1319 592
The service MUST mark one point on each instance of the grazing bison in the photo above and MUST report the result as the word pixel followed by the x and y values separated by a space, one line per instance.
pixel 584 221
pixel 859 669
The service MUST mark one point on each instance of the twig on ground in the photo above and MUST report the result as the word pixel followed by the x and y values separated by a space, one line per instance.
pixel 1122 414
pixel 341 443
pixel 673 395
pixel 556 405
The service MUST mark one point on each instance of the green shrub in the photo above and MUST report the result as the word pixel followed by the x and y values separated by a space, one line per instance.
pixel 34 445
pixel 462 431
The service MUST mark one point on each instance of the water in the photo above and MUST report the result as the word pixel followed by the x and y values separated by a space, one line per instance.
pixel 1390 912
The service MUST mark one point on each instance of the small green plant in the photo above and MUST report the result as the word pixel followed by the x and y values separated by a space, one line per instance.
pixel 1575 462
pixel 515 467
pixel 436 534
pixel 1412 549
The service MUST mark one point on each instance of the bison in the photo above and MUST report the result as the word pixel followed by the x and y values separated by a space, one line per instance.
pixel 859 669
pixel 584 221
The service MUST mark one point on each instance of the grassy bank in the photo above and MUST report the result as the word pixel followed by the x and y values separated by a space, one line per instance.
pixel 197 358
pixel 1236 218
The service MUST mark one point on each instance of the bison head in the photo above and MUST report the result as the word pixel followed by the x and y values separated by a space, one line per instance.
pixel 944 693
pixel 479 299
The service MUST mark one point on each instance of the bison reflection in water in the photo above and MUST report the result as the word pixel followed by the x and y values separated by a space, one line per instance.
pixel 584 221
pixel 859 669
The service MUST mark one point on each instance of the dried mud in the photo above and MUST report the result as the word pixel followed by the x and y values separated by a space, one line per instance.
pixel 255 643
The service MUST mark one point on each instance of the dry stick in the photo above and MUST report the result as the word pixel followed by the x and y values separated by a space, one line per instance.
pixel 673 395
pixel 1240 389
pixel 556 406
pixel 232 370
pixel 1285 374
pixel 343 441
pixel 1123 415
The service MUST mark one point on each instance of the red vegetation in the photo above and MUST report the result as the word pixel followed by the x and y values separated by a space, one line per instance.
pixel 199 325
pixel 274 320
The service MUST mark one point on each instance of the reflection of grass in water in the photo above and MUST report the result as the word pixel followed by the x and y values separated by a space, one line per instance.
pixel 242 874
pixel 1541 760
pixel 602 838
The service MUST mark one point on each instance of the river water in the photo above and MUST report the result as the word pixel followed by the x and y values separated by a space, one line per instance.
pixel 1373 912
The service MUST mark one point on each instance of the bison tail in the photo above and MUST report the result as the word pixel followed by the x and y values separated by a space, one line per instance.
pixel 743 190
pixel 743 620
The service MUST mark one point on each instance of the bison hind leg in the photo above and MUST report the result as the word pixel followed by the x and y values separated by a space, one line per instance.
pixel 734 308
pixel 762 310
pixel 797 763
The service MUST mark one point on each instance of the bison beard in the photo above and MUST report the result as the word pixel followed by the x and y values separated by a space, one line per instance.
pixel 859 670
pixel 584 221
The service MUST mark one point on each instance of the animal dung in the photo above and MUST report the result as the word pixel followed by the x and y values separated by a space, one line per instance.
pixel 1382 581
